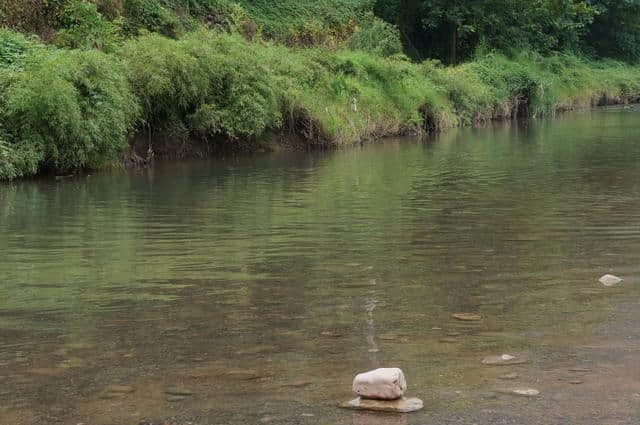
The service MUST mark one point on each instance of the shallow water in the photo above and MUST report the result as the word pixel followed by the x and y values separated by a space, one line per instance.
pixel 263 284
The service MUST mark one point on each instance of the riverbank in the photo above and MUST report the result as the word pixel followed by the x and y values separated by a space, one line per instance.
pixel 66 109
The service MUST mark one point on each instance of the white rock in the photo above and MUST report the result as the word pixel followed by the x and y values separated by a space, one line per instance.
pixel 504 360
pixel 381 384
pixel 610 280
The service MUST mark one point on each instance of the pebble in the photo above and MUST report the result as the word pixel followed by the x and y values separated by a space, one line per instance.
pixel 504 360
pixel 576 382
pixel 244 374
pixel 509 376
pixel 467 317
pixel 523 392
pixel 388 337
pixel 179 391
pixel 120 389
pixel 176 398
pixel 401 405
pixel 579 369
pixel 609 280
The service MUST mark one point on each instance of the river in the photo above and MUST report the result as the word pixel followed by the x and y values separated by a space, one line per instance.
pixel 260 285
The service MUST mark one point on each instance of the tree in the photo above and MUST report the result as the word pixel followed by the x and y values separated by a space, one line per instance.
pixel 450 29
pixel 615 31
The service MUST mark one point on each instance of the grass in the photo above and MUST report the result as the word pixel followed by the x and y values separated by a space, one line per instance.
pixel 69 109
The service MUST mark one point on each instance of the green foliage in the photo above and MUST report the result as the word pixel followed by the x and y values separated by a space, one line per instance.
pixel 208 85
pixel 84 27
pixel 376 36
pixel 16 48
pixel 150 15
pixel 616 30
pixel 450 30
pixel 68 110
pixel 287 19
pixel 65 109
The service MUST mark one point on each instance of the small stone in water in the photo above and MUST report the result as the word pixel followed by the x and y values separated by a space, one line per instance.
pixel 401 405
pixel 178 391
pixel 119 389
pixel 176 398
pixel 503 360
pixel 467 317
pixel 576 382
pixel 524 392
pixel 610 280
pixel 509 376
pixel 579 369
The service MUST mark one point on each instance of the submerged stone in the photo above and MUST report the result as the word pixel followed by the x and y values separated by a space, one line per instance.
pixel 579 369
pixel 332 334
pixel 467 317
pixel 504 360
pixel 610 280
pixel 382 384
pixel 522 392
pixel 178 391
pixel 509 376
pixel 401 405
pixel 120 389
pixel 175 398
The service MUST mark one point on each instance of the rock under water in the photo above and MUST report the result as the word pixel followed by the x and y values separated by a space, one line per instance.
pixel 467 317
pixel 504 360
pixel 609 280
pixel 401 405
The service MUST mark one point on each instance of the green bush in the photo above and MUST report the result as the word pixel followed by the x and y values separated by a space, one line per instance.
pixel 209 85
pixel 84 27
pixel 16 48
pixel 150 15
pixel 68 110
pixel 376 36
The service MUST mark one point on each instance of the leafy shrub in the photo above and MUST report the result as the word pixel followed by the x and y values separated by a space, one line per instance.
pixel 84 27
pixel 376 36
pixel 210 85
pixel 150 15
pixel 16 48
pixel 69 110
pixel 32 16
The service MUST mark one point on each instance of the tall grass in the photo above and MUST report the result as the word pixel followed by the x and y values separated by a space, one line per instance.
pixel 69 109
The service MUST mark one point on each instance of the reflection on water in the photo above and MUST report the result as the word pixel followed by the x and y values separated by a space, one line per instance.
pixel 262 285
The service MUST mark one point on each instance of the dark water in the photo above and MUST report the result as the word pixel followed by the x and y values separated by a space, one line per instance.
pixel 263 284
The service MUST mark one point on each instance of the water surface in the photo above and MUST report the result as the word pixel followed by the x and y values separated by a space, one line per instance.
pixel 263 284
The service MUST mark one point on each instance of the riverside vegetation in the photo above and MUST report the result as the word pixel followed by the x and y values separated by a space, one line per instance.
pixel 122 79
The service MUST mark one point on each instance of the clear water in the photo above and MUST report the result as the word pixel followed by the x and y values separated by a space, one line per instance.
pixel 263 284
